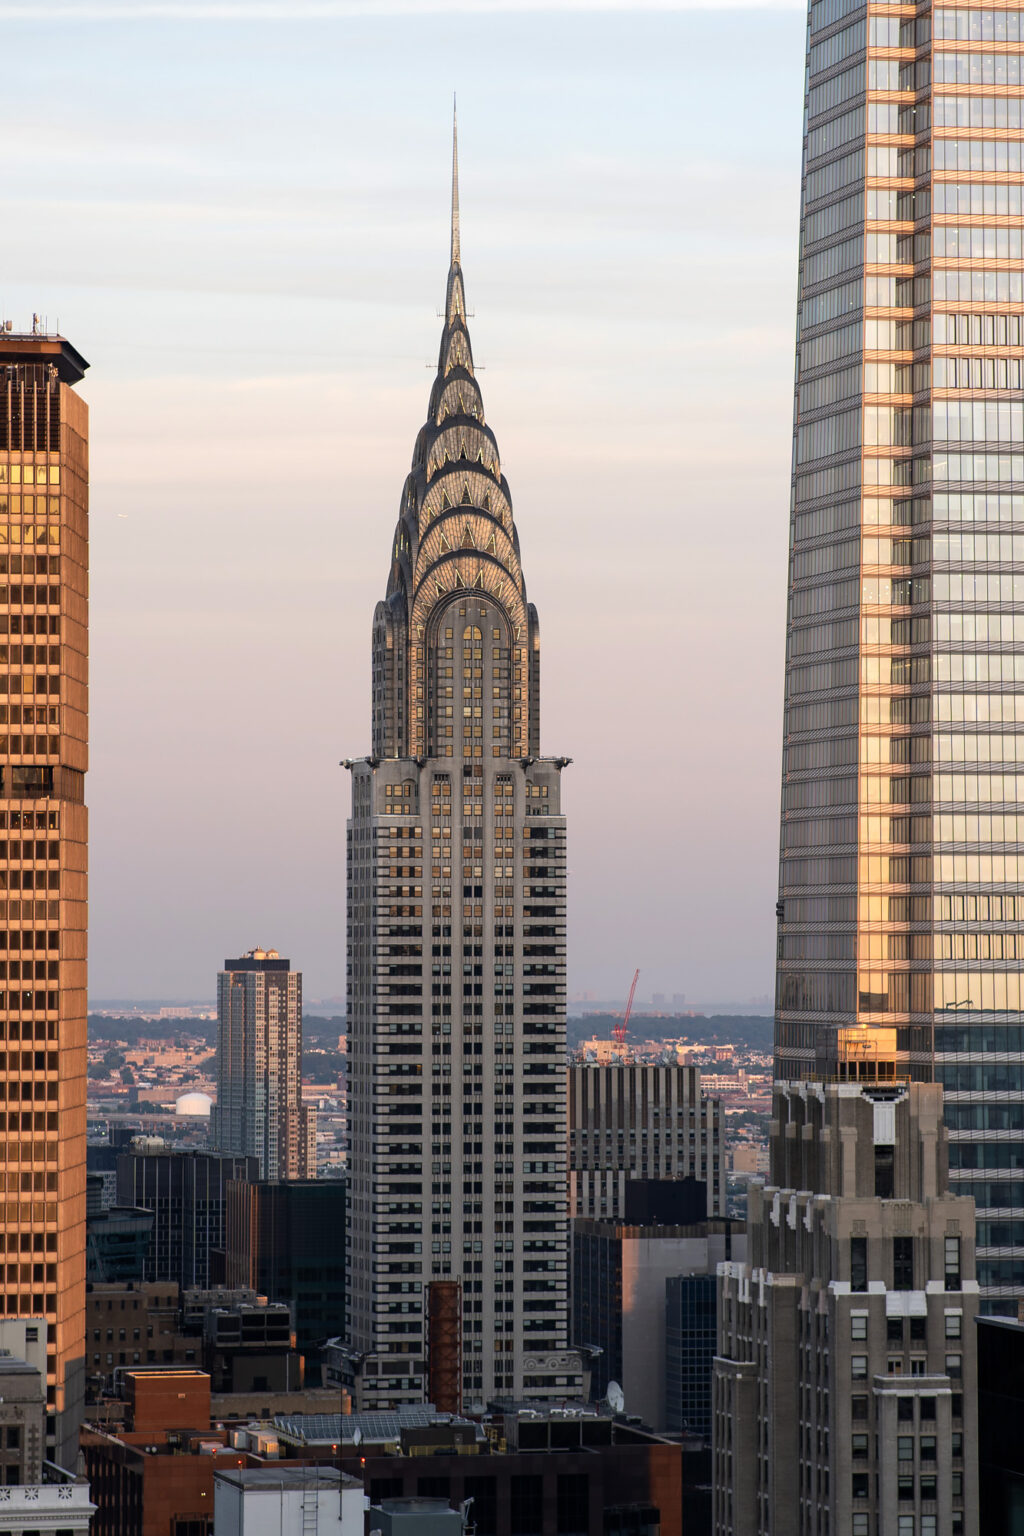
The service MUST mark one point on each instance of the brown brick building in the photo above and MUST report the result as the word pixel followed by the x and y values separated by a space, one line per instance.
pixel 155 1478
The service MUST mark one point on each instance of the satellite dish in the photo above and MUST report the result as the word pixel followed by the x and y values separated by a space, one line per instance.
pixel 614 1397
pixel 357 1436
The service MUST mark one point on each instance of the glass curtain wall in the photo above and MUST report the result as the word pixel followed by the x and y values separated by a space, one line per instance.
pixel 901 910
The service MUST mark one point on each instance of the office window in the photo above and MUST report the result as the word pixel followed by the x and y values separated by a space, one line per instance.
pixel 526 1505
pixel 483 1492
pixel 573 1495
pixel 952 1251
pixel 903 1264
pixel 861 1482
pixel 953 1321
pixel 858 1325
pixel 858 1263
pixel 905 1448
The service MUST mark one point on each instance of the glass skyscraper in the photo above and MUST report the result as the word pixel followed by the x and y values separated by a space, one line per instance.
pixel 901 903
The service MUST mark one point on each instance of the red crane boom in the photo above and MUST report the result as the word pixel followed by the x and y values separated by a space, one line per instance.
pixel 619 1029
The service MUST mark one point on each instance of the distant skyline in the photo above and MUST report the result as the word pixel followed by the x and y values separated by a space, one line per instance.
pixel 260 244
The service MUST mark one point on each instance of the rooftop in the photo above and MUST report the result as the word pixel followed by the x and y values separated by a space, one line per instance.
pixel 35 347
pixel 341 1429
pixel 282 1476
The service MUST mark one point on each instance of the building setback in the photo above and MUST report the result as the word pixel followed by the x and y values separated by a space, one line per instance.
pixel 901 888
pixel 456 938
pixel 845 1381
pixel 633 1121
pixel 259 1111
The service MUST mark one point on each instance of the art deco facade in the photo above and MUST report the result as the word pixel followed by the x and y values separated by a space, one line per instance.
pixel 259 1111
pixel 901 918
pixel 456 938
pixel 845 1381
pixel 637 1121
pixel 44 470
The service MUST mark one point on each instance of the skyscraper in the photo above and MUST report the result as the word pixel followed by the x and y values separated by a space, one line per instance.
pixel 259 1110
pixel 44 533
pixel 901 913
pixel 456 937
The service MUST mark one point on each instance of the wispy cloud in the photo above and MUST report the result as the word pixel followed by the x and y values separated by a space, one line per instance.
pixel 342 10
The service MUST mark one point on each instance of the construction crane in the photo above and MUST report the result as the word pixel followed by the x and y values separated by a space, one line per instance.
pixel 619 1029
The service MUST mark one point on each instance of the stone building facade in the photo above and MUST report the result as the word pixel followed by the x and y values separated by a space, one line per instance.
pixel 845 1381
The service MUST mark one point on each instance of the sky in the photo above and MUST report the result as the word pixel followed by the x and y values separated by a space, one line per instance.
pixel 239 214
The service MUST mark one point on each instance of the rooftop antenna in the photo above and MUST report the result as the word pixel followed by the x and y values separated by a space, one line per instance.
pixel 456 254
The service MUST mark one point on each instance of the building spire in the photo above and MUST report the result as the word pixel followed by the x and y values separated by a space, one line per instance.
pixel 456 256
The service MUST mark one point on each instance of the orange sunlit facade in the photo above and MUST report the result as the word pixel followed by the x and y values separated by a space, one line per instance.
pixel 43 856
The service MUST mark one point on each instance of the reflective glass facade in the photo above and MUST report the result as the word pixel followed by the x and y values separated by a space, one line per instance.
pixel 901 912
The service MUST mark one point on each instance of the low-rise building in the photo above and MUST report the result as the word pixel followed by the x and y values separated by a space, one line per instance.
pixel 526 1466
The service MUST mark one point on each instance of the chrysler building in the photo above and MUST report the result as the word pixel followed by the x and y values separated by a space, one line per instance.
pixel 456 946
